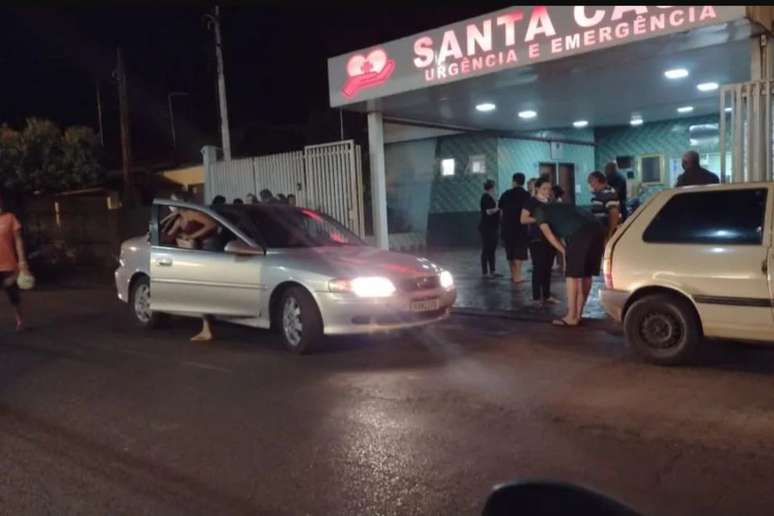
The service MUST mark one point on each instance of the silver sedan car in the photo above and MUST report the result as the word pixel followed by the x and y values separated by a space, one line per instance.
pixel 293 270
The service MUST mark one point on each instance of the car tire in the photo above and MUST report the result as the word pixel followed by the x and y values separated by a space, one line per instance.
pixel 139 302
pixel 299 321
pixel 663 329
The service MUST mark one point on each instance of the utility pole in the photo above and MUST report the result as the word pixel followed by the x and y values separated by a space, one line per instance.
pixel 123 101
pixel 213 23
pixel 99 117
pixel 172 115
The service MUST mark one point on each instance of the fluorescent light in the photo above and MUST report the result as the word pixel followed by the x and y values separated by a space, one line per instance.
pixel 526 115
pixel 580 124
pixel 728 109
pixel 635 121
pixel 685 109
pixel 485 107
pixel 707 86
pixel 676 73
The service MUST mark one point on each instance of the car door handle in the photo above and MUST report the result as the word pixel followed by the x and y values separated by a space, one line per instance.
pixel 164 262
pixel 765 267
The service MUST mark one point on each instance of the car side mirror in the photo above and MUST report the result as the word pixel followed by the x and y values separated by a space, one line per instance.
pixel 551 499
pixel 240 248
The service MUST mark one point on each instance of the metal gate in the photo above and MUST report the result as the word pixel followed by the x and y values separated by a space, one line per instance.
pixel 325 177
pixel 746 131
pixel 334 182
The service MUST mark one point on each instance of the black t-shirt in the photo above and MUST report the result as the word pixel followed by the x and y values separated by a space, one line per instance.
pixel 533 229
pixel 511 203
pixel 489 222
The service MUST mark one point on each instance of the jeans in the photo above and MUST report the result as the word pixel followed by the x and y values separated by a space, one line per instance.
pixel 542 261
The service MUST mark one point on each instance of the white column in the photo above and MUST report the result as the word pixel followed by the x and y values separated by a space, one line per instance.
pixel 378 179
pixel 209 157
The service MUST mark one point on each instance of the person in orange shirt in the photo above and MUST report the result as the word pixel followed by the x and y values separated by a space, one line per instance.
pixel 12 259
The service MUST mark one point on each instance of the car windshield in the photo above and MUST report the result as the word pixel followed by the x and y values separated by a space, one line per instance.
pixel 282 227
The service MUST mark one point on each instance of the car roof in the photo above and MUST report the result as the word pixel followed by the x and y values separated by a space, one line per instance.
pixel 718 187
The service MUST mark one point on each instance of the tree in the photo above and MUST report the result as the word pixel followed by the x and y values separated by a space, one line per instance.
pixel 43 158
pixel 10 157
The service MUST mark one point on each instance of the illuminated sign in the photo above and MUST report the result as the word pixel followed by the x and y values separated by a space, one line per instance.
pixel 367 71
pixel 506 39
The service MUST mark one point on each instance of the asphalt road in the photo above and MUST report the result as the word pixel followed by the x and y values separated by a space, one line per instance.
pixel 99 417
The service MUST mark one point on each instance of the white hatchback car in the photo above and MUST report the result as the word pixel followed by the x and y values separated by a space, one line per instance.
pixel 693 262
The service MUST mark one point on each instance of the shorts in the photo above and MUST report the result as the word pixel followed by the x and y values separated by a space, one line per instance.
pixel 516 244
pixel 12 290
pixel 585 250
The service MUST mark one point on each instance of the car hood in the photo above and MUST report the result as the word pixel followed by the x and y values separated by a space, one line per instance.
pixel 353 261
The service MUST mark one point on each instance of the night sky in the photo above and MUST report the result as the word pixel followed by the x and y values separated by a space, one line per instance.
pixel 275 60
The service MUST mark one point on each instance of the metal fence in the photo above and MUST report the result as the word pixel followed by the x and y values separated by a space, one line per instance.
pixel 746 131
pixel 326 177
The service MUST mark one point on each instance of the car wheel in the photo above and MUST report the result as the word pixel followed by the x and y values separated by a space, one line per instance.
pixel 140 304
pixel 300 322
pixel 663 329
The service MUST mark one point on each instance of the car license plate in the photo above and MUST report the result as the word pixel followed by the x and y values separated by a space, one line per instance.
pixel 426 305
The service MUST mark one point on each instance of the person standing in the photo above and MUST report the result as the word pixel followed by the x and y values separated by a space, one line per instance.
pixel 585 245
pixel 251 199
pixel 488 227
pixel 693 173
pixel 267 197
pixel 13 259
pixel 541 252
pixel 604 203
pixel 292 200
pixel 514 233
pixel 617 181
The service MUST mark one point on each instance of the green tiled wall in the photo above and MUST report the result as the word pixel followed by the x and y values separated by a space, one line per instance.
pixel 670 138
pixel 526 155
pixel 462 192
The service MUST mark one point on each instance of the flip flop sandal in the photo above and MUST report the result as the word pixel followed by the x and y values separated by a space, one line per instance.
pixel 563 324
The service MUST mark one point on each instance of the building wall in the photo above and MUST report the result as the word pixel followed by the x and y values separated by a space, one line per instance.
pixel 410 169
pixel 421 200
pixel 525 156
pixel 669 138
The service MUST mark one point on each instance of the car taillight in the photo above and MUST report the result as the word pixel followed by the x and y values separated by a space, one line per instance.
pixel 607 270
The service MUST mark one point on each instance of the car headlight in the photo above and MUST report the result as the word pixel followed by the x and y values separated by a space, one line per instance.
pixel 446 279
pixel 364 287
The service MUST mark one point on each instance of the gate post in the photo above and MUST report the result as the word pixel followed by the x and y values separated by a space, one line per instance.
pixel 378 179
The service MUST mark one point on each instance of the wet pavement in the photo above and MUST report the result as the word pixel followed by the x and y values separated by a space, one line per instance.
pixel 498 296
pixel 100 417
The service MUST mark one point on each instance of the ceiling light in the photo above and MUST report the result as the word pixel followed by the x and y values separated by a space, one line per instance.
pixel 526 115
pixel 636 121
pixel 728 109
pixel 707 86
pixel 685 109
pixel 580 124
pixel 485 107
pixel 676 73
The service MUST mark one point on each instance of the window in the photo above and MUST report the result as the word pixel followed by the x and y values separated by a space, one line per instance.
pixel 280 227
pixel 447 167
pixel 721 218
pixel 478 165
pixel 651 169
pixel 173 231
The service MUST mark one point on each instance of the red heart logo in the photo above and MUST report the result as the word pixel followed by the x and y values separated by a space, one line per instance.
pixel 360 64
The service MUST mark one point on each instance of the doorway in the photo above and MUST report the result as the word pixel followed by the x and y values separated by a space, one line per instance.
pixel 562 175
pixel 567 181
